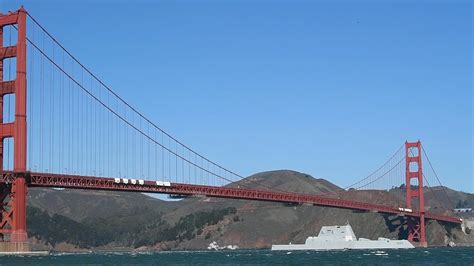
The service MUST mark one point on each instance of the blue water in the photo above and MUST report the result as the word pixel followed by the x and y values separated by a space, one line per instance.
pixel 429 256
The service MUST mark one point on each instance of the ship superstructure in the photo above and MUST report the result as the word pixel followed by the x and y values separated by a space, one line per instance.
pixel 343 237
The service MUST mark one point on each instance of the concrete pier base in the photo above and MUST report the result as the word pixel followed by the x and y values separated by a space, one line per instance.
pixel 420 244
pixel 14 247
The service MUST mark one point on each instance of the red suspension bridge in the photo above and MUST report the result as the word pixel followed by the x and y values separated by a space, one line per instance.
pixel 61 126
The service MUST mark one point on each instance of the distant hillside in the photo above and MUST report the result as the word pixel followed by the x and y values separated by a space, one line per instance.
pixel 111 220
pixel 287 180
pixel 437 198
pixel 80 205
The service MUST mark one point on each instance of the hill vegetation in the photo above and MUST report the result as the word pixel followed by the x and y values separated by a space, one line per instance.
pixel 109 220
pixel 133 230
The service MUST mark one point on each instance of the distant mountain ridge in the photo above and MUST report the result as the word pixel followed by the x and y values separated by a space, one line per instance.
pixel 288 180
pixel 111 220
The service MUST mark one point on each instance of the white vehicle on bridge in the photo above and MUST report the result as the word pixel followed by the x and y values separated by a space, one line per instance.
pixel 163 184
pixel 405 210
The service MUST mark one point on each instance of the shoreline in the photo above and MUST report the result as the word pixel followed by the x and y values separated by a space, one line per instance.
pixel 45 253
pixel 23 253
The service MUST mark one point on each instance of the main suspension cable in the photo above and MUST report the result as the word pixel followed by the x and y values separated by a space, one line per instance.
pixel 129 105
pixel 436 175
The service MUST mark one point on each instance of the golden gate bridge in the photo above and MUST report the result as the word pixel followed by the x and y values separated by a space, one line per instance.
pixel 62 126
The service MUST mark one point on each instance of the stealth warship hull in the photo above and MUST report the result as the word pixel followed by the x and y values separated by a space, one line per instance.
pixel 343 237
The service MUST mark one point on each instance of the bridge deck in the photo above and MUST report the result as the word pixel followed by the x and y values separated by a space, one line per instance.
pixel 100 183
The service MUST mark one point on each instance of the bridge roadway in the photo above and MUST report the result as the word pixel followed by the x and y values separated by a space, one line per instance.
pixel 101 183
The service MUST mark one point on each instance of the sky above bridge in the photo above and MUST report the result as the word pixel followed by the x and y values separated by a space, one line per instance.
pixel 329 89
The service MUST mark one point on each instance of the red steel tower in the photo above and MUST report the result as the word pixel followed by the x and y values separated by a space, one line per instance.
pixel 414 171
pixel 13 235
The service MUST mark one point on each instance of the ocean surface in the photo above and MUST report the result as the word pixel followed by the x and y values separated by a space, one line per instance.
pixel 428 256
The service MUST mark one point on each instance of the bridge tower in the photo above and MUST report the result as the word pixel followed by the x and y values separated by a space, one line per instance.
pixel 13 234
pixel 414 171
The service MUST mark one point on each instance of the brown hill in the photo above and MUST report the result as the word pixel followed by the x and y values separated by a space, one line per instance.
pixel 287 180
pixel 88 204
pixel 253 224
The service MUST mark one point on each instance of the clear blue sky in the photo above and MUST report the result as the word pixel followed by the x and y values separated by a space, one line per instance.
pixel 330 89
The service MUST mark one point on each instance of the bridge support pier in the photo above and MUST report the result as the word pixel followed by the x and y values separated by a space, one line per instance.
pixel 416 231
pixel 13 231
pixel 19 234
pixel 13 234
pixel 414 171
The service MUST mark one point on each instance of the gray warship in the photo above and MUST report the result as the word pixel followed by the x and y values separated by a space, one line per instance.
pixel 342 237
